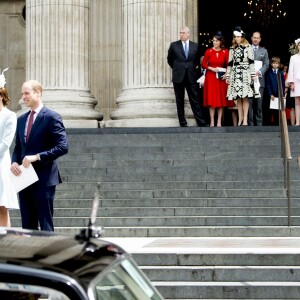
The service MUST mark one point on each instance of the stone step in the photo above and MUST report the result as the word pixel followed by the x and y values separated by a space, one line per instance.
pixel 98 162
pixel 218 258
pixel 170 202
pixel 260 262
pixel 140 140
pixel 175 194
pixel 229 290
pixel 125 140
pixel 79 155
pixel 120 186
pixel 222 273
pixel 103 177
pixel 176 212
pixel 173 221
pixel 126 171
pixel 193 231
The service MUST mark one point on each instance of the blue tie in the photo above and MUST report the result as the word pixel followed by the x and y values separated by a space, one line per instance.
pixel 186 51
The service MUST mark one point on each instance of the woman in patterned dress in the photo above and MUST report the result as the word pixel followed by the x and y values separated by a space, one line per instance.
pixel 240 74
pixel 215 89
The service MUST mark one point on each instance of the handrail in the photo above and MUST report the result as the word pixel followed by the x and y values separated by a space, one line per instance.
pixel 285 145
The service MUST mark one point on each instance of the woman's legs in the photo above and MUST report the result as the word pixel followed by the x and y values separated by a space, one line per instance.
pixel 234 117
pixel 240 111
pixel 220 114
pixel 212 116
pixel 297 110
pixel 4 217
pixel 292 116
pixel 245 102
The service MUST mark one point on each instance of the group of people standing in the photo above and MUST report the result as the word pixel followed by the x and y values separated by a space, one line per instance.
pixel 40 138
pixel 242 79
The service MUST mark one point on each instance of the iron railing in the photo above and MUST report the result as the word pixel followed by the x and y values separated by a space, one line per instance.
pixel 285 145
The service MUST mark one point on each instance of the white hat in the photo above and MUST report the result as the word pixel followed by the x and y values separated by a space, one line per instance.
pixel 238 31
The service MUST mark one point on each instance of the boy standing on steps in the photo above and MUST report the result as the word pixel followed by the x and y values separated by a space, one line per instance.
pixel 272 91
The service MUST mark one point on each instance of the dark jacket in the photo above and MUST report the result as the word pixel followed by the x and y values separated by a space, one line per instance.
pixel 179 63
pixel 47 138
pixel 272 82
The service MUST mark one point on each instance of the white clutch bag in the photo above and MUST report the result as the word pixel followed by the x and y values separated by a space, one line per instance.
pixel 201 81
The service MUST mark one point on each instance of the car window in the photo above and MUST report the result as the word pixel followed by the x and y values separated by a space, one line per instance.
pixel 124 281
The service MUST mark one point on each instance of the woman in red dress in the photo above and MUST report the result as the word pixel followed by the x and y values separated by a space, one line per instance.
pixel 215 88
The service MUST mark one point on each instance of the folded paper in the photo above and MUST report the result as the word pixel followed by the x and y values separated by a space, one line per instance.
pixel 25 179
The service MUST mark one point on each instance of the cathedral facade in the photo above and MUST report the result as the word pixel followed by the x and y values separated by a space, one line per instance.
pixel 102 63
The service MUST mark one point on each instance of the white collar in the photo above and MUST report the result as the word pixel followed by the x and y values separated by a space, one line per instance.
pixel 38 109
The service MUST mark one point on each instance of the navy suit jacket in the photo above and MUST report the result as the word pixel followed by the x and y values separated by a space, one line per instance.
pixel 179 63
pixel 272 82
pixel 47 138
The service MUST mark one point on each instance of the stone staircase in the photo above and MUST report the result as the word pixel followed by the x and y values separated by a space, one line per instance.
pixel 188 182
pixel 224 275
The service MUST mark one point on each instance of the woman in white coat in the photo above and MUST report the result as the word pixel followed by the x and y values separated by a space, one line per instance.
pixel 8 123
pixel 293 79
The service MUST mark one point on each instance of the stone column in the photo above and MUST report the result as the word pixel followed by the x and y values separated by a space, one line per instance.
pixel 147 98
pixel 57 55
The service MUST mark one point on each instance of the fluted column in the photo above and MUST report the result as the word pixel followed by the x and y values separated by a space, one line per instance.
pixel 147 98
pixel 57 55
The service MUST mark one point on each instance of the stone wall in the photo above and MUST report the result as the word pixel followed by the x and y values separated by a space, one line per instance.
pixel 13 48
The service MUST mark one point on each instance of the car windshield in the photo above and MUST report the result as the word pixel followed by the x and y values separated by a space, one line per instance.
pixel 123 281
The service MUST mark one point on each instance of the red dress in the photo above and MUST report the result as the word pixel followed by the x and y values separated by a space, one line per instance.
pixel 214 93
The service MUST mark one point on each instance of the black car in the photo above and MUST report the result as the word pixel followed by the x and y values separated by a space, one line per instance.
pixel 46 265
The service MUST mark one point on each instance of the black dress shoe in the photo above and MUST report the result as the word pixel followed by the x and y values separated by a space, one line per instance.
pixel 203 125
pixel 183 125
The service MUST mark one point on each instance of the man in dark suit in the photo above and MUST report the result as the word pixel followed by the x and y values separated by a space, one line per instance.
pixel 255 113
pixel 183 57
pixel 40 140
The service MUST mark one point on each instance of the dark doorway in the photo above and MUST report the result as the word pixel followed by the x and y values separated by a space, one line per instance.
pixel 224 15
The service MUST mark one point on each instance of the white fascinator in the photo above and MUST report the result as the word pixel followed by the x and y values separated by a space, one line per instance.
pixel 293 48
pixel 2 78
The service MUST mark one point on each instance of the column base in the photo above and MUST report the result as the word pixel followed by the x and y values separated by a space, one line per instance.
pixel 147 107
pixel 146 122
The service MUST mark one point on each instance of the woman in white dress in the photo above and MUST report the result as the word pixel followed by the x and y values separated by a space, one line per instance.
pixel 293 79
pixel 8 123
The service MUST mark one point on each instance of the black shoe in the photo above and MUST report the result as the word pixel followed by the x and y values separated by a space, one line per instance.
pixel 183 125
pixel 203 125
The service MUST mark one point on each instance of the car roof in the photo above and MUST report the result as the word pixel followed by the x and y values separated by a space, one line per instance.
pixel 67 254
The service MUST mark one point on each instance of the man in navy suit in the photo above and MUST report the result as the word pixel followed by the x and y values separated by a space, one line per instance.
pixel 39 141
pixel 183 58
